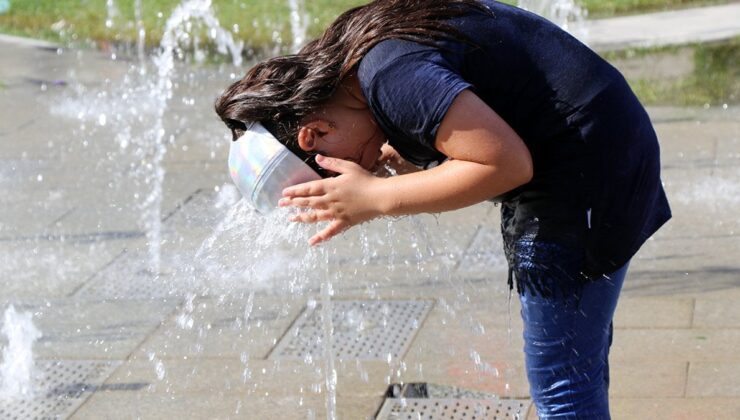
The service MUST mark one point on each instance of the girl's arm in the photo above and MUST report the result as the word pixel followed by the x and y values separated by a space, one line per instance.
pixel 487 159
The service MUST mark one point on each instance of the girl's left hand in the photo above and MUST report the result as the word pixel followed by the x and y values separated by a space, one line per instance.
pixel 346 200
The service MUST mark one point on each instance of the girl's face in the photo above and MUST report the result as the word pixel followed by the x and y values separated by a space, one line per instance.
pixel 344 128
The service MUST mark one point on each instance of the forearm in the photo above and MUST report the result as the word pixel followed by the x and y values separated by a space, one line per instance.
pixel 453 185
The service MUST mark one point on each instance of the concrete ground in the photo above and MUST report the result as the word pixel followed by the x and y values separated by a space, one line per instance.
pixel 676 27
pixel 204 336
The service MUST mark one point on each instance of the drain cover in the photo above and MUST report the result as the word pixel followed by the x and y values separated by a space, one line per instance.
pixel 363 329
pixel 423 401
pixel 448 408
pixel 61 387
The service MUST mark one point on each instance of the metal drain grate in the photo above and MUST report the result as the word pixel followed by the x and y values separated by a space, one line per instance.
pixel 452 409
pixel 61 387
pixel 363 329
pixel 425 401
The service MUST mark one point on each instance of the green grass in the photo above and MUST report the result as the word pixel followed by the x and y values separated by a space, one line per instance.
pixel 84 20
pixel 607 8
pixel 715 79
pixel 261 22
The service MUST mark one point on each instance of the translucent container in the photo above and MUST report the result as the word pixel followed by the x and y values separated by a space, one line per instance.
pixel 261 167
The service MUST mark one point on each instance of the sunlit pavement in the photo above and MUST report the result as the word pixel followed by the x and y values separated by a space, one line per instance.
pixel 199 341
pixel 676 27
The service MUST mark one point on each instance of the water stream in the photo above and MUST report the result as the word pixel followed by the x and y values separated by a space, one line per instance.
pixel 17 368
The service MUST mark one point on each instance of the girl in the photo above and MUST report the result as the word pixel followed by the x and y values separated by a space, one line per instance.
pixel 494 103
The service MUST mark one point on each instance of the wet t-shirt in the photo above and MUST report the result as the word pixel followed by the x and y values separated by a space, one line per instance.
pixel 596 194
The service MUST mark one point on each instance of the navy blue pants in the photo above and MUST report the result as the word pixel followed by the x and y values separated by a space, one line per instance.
pixel 566 348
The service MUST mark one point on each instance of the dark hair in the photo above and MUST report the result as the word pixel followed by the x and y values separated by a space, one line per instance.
pixel 279 92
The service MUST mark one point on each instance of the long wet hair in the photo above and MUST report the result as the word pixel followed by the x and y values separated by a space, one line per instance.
pixel 281 91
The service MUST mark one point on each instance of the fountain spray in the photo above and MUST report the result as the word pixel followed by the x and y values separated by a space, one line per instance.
pixel 16 370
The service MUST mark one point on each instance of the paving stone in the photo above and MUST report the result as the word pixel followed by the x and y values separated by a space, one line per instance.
pixel 672 27
pixel 675 345
pixel 120 405
pixel 94 330
pixel 659 312
pixel 213 328
pixel 489 361
pixel 192 376
pixel 716 313
pixel 679 150
pixel 684 267
pixel 656 379
pixel 713 379
pixel 675 408
pixel 49 269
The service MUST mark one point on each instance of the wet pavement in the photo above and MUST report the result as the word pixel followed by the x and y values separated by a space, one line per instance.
pixel 675 27
pixel 211 333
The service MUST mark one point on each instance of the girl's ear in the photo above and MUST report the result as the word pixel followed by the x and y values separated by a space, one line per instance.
pixel 310 134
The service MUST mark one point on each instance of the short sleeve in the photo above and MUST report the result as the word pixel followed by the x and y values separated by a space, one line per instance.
pixel 409 88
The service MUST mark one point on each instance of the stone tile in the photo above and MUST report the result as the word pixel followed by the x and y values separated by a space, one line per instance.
pixel 490 359
pixel 713 379
pixel 222 329
pixel 17 226
pixel 116 344
pixel 675 408
pixel 658 312
pixel 716 313
pixel 684 267
pixel 58 315
pixel 50 269
pixel 502 377
pixel 679 345
pixel 94 330
pixel 698 142
pixel 122 405
pixel 255 378
pixel 653 379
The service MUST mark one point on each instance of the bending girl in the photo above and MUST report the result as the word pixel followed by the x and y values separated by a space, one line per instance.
pixel 494 103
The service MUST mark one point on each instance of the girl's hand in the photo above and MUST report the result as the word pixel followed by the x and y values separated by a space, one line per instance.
pixel 349 199
pixel 389 156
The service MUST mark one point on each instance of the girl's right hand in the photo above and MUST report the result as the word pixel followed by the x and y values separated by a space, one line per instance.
pixel 390 157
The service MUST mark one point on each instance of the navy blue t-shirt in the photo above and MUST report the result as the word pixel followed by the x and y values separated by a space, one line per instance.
pixel 596 194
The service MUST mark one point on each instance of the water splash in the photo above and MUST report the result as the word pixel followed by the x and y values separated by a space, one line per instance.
pixel 177 32
pixel 564 13
pixel 16 370
pixel 715 193
pixel 328 330
pixel 298 24
pixel 112 13
pixel 140 36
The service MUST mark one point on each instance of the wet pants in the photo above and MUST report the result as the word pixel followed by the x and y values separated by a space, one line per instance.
pixel 566 348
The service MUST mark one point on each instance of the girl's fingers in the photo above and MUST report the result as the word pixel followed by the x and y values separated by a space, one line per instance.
pixel 306 189
pixel 312 217
pixel 302 202
pixel 336 227
pixel 339 166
